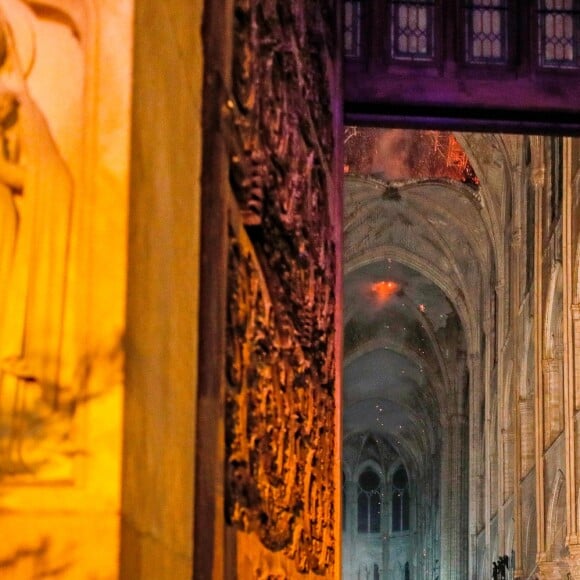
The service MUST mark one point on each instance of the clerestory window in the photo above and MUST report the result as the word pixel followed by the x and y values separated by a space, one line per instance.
pixel 486 31
pixel 412 30
pixel 353 29
pixel 558 33
pixel 542 33
pixel 401 501
pixel 369 502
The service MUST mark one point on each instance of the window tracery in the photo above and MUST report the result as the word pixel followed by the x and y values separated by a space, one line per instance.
pixel 559 33
pixel 353 28
pixel 369 502
pixel 412 29
pixel 486 31
pixel 400 501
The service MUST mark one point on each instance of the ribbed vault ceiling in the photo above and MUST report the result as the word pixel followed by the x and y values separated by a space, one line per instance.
pixel 419 256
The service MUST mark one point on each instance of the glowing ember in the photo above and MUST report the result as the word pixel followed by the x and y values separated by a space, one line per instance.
pixel 396 154
pixel 385 289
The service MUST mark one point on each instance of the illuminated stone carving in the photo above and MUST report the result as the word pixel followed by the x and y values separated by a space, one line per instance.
pixel 36 198
pixel 281 314
pixel 280 425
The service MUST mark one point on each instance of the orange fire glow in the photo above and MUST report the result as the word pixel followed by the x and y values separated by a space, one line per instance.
pixel 384 289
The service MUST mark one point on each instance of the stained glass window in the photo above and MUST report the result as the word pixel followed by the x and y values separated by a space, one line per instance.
pixel 558 33
pixel 352 28
pixel 486 38
pixel 413 30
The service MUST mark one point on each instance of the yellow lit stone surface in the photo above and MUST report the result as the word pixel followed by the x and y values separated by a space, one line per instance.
pixel 159 449
pixel 69 66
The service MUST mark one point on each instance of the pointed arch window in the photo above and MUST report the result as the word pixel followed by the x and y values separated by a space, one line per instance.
pixel 401 501
pixel 369 502
pixel 559 33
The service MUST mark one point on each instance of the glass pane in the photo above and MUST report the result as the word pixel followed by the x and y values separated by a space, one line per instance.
pixel 352 28
pixel 397 511
pixel 412 29
pixel 558 33
pixel 363 512
pixel 375 514
pixel 406 509
pixel 369 480
pixel 400 478
pixel 486 38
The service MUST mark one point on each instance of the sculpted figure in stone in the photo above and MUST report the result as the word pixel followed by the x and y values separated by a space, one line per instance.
pixel 35 209
pixel 11 182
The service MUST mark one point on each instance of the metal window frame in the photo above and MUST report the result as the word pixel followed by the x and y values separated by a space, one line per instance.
pixel 541 11
pixel 362 31
pixel 433 50
pixel 466 26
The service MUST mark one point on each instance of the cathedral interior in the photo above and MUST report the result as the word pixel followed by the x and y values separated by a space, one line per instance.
pixel 440 350
pixel 289 290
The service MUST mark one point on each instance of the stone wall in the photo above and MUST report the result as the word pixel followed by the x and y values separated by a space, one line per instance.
pixel 63 287
pixel 279 129
pixel 163 289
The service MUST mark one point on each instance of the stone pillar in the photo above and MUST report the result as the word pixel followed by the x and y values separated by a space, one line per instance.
pixel 552 372
pixel 553 570
pixel 527 434
pixel 571 341
pixel 538 181
pixel 454 524
pixel 349 528
pixel 574 561
pixel 475 443
pixel 572 418
pixel 575 377
pixel 524 429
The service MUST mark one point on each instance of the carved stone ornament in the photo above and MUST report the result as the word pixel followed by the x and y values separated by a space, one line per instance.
pixel 279 428
pixel 35 216
pixel 281 362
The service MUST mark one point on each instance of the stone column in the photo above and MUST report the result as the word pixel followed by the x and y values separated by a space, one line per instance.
pixel 572 418
pixel 475 443
pixel 574 561
pixel 527 434
pixel 538 181
pixel 575 354
pixel 454 517
pixel 571 341
pixel 552 570
pixel 552 374
pixel 350 526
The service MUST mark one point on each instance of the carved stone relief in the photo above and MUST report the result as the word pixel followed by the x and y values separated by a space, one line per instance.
pixel 36 190
pixel 279 425
pixel 280 440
